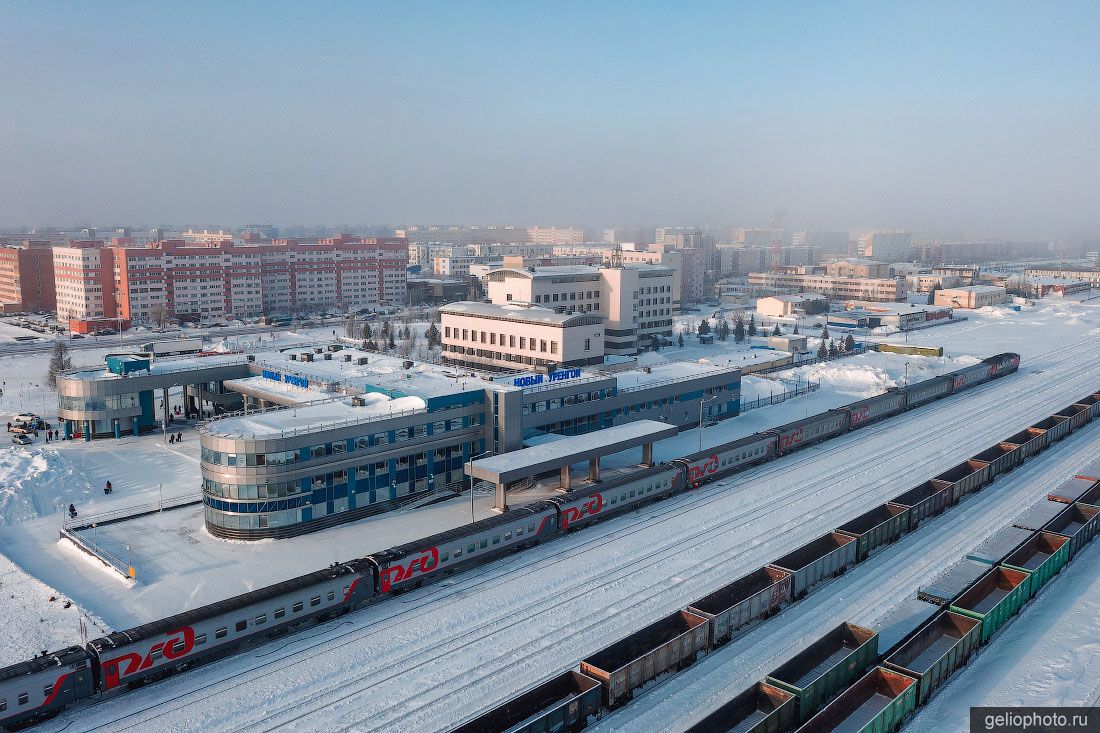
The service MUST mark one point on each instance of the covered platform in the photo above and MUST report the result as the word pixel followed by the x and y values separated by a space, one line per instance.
pixel 508 468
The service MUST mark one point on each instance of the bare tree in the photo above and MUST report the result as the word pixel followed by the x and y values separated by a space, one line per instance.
pixel 158 314
pixel 60 361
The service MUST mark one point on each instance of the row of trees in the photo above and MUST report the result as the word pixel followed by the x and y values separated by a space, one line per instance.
pixel 388 336
pixel 833 349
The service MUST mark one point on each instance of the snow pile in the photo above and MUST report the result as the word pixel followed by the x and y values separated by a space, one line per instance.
pixel 44 623
pixel 860 380
pixel 35 482
pixel 990 311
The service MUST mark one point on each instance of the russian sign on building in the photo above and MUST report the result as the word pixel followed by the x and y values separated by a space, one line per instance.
pixel 560 375
pixel 288 378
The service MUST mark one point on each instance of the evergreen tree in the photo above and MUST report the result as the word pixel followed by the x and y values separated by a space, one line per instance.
pixel 834 352
pixel 368 332
pixel 351 327
pixel 680 339
pixel 704 327
pixel 824 332
pixel 371 345
pixel 60 361
pixel 795 332
pixel 776 331
pixel 822 350
pixel 387 329
pixel 932 294
pixel 739 331
pixel 849 343
pixel 432 335
pixel 390 343
pixel 752 324
pixel 723 329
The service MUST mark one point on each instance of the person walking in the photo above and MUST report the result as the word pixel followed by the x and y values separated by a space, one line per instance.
pixel 179 437
pixel 107 488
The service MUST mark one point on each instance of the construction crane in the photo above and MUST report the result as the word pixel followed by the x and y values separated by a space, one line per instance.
pixel 777 239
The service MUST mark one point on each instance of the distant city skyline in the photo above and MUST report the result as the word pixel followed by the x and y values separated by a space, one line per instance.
pixel 939 118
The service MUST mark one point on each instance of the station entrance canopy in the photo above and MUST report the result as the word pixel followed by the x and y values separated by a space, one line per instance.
pixel 508 468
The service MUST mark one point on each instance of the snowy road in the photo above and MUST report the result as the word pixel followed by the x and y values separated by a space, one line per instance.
pixel 437 656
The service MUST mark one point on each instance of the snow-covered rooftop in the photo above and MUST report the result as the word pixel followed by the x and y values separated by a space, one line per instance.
pixel 314 417
pixel 516 312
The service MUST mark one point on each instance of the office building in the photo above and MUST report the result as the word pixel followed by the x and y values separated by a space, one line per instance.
pixel 971 296
pixel 635 300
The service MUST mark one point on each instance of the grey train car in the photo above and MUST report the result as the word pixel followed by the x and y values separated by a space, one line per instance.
pixel 155 649
pixel 39 688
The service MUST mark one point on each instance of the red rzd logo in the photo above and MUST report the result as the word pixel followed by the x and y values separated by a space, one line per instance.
pixel 426 562
pixel 590 508
pixel 134 662
pixel 790 440
pixel 697 472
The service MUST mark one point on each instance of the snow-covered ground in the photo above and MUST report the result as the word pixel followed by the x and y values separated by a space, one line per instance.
pixel 439 655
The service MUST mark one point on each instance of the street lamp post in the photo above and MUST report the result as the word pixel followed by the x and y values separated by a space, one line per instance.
pixel 479 455
pixel 702 402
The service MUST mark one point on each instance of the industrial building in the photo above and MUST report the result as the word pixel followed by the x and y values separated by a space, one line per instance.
pixel 971 296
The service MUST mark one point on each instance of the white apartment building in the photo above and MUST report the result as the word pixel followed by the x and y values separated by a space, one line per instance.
pixel 516 337
pixel 555 235
pixel 636 300
pixel 836 288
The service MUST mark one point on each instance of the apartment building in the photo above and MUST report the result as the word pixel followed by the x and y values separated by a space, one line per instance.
pixel 835 288
pixel 84 281
pixel 555 235
pixel 210 281
pixel 515 337
pixel 893 246
pixel 857 268
pixel 1092 277
pixel 26 276
pixel 636 300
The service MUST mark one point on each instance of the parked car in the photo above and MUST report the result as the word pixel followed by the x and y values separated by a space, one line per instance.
pixel 21 439
pixel 27 417
pixel 75 336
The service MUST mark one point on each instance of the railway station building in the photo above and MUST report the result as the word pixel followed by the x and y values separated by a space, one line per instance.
pixel 315 436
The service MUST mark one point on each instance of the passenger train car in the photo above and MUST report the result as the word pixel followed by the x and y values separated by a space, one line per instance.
pixel 41 687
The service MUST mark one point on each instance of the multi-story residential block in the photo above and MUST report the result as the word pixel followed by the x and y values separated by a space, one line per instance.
pixel 636 300
pixel 26 276
pixel 555 235
pixel 857 268
pixel 84 282
pixel 886 246
pixel 1090 276
pixel 211 281
pixel 837 288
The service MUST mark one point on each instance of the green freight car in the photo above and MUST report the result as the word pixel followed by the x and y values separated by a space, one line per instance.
pixel 994 599
pixel 1041 557
pixel 937 651
pixel 826 667
pixel 762 708
pixel 878 703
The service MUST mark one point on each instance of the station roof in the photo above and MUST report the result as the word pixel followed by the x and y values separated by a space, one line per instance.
pixel 508 467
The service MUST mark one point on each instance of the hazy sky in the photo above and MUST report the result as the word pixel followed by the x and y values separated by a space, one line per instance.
pixel 961 116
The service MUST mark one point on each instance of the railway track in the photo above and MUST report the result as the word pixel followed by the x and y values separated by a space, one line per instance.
pixel 862 595
pixel 424 604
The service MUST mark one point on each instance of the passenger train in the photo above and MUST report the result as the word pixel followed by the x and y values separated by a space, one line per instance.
pixel 39 688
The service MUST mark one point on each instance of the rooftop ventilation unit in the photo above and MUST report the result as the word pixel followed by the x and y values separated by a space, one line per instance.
pixel 358 402
pixel 328 356
pixel 406 364
pixel 251 357
pixel 307 357
pixel 317 350
pixel 294 357
pixel 347 357
pixel 361 360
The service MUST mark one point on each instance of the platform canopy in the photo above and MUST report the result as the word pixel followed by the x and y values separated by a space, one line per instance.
pixel 558 455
